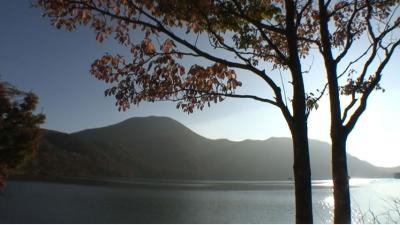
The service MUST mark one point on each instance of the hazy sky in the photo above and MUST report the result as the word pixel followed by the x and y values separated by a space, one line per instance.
pixel 55 64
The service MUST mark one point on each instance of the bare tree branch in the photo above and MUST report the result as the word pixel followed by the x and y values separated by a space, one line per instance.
pixel 377 77
pixel 349 34
pixel 347 109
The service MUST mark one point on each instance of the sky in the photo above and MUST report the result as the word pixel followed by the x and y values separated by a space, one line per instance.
pixel 55 65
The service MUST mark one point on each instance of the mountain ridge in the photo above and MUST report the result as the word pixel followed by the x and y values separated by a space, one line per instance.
pixel 162 148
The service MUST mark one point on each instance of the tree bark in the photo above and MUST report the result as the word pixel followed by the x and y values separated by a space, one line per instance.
pixel 298 124
pixel 302 175
pixel 341 192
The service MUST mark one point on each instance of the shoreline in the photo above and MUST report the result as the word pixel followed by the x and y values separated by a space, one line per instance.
pixel 162 183
pixel 169 184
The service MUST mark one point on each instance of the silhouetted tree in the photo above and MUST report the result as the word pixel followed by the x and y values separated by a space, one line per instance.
pixel 237 35
pixel 19 128
pixel 342 23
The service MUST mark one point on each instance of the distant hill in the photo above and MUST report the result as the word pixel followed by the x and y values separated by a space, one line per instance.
pixel 162 148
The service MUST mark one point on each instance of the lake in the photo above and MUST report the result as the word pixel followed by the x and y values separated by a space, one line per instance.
pixel 189 202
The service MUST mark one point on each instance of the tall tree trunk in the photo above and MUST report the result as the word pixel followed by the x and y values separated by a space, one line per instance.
pixel 342 212
pixel 298 126
pixel 341 192
pixel 302 176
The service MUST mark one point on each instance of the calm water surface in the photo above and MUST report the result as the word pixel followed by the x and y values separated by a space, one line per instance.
pixel 270 202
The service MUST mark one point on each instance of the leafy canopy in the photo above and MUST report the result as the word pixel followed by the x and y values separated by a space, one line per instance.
pixel 242 33
pixel 155 70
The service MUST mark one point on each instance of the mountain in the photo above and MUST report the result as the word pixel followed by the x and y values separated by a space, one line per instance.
pixel 162 148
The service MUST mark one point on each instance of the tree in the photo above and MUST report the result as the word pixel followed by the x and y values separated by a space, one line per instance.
pixel 19 131
pixel 341 24
pixel 252 34
pixel 246 36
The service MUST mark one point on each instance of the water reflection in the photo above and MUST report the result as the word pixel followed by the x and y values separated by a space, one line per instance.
pixel 265 202
pixel 353 182
pixel 329 201
pixel 326 206
pixel 372 201
pixel 360 181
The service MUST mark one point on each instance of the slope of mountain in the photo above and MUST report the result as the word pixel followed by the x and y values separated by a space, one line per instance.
pixel 159 147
